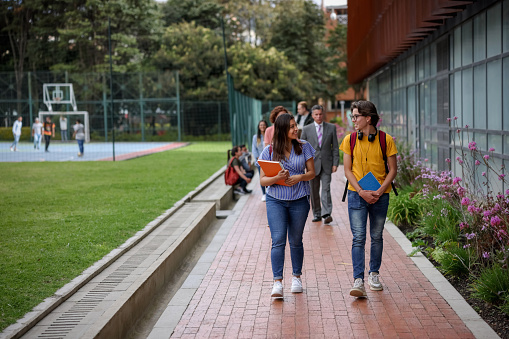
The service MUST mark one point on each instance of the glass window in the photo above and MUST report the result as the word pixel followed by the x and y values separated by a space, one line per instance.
pixel 494 97
pixel 451 51
pixel 457 47
pixel 457 99
pixel 467 93
pixel 426 61
pixel 466 44
pixel 373 87
pixel 506 145
pixel 480 139
pixel 494 30
pixel 495 141
pixel 480 96
pixel 412 116
pixel 506 94
pixel 410 70
pixel 496 184
pixel 433 105
pixel 505 20
pixel 480 37
pixel 433 59
pixel 420 65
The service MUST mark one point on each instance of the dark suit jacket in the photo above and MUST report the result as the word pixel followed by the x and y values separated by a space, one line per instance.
pixel 327 155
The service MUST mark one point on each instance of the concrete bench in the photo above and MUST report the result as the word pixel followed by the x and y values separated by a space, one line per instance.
pixel 217 192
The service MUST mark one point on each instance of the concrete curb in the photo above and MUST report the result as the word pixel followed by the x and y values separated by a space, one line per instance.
pixel 30 319
pixel 467 314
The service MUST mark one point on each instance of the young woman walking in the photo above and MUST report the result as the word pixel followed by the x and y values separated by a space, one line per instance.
pixel 288 206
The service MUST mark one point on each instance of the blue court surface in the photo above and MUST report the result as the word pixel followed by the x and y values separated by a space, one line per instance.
pixel 68 151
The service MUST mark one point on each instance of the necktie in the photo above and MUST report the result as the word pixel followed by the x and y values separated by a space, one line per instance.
pixel 320 135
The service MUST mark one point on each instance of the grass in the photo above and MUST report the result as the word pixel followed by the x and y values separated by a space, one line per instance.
pixel 57 219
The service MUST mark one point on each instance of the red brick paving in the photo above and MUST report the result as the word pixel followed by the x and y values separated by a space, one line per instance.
pixel 234 300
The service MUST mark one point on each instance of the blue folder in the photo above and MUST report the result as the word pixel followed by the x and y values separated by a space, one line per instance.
pixel 369 182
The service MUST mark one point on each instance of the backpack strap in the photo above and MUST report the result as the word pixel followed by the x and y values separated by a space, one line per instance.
pixel 383 146
pixel 353 141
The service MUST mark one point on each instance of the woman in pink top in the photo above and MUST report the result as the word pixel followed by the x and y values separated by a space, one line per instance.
pixel 269 132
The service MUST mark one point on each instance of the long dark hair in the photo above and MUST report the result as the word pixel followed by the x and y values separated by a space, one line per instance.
pixel 259 133
pixel 232 152
pixel 281 128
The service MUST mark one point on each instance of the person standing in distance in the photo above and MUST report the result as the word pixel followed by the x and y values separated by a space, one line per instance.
pixel 367 157
pixel 79 134
pixel 49 131
pixel 16 132
pixel 269 132
pixel 287 206
pixel 303 117
pixel 323 137
pixel 37 133
pixel 258 146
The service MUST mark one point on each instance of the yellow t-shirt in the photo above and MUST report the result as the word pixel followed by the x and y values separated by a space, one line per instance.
pixel 368 157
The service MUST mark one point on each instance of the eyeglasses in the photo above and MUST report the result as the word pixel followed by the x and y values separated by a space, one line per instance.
pixel 355 116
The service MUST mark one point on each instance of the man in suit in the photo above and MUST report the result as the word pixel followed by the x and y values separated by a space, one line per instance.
pixel 323 137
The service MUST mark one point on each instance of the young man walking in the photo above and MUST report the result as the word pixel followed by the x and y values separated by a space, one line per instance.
pixel 367 157
pixel 323 137
pixel 49 131
pixel 16 132
pixel 37 133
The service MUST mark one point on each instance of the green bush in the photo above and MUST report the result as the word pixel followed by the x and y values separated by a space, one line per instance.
pixel 492 285
pixel 505 305
pixel 404 209
pixel 454 259
pixel 6 134
pixel 441 220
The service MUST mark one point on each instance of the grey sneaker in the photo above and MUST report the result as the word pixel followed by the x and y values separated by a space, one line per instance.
pixel 296 285
pixel 358 289
pixel 374 282
pixel 277 290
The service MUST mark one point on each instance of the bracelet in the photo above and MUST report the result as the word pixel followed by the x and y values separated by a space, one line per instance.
pixel 360 191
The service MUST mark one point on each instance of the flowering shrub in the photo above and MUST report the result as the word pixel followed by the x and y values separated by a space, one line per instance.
pixel 467 215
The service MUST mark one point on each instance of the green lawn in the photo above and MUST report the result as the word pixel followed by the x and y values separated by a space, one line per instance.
pixel 57 219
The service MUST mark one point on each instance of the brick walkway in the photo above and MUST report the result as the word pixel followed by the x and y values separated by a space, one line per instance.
pixel 233 300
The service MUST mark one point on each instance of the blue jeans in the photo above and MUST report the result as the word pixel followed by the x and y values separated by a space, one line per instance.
pixel 287 218
pixel 358 211
pixel 37 140
pixel 16 141
pixel 80 145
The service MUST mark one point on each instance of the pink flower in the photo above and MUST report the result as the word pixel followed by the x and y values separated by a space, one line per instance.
pixel 486 157
pixel 492 149
pixel 426 160
pixel 449 119
pixel 465 201
pixel 466 126
pixel 470 236
pixel 486 255
pixel 501 177
pixel 448 160
pixel 457 131
pixel 461 191
pixel 487 213
pixel 471 209
pixel 472 145
pixel 507 192
pixel 477 162
pixel 463 225
pixel 495 220
pixel 456 180
pixel 458 158
pixel 398 158
pixel 460 162
pixel 455 118
pixel 483 174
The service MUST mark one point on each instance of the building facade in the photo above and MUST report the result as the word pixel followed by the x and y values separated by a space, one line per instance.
pixel 441 83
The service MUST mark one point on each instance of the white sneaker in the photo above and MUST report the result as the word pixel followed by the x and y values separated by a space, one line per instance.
pixel 374 282
pixel 12 150
pixel 277 290
pixel 263 197
pixel 296 285
pixel 358 289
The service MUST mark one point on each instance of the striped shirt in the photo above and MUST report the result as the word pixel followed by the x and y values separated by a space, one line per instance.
pixel 295 165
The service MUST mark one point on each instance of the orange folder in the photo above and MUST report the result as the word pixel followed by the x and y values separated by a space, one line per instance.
pixel 271 169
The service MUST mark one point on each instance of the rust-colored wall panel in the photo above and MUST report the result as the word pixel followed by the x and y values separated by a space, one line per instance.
pixel 379 30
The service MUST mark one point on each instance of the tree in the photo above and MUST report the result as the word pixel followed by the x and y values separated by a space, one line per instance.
pixel 204 13
pixel 197 53
pixel 135 31
pixel 265 74
pixel 298 30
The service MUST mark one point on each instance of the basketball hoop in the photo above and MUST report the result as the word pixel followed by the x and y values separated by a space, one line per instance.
pixel 57 98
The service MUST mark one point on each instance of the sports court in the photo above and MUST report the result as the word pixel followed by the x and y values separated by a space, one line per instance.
pixel 96 151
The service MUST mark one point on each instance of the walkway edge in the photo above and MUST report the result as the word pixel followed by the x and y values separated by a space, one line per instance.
pixel 467 314
pixel 30 319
